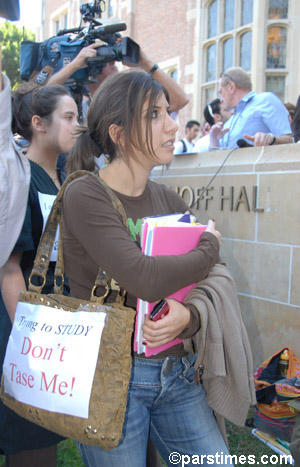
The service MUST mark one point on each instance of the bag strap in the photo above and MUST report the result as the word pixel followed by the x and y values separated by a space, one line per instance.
pixel 42 259
pixel 183 145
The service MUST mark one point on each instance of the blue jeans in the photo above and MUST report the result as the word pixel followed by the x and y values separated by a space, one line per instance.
pixel 165 403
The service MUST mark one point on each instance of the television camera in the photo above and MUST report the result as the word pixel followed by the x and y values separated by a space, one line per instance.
pixel 58 51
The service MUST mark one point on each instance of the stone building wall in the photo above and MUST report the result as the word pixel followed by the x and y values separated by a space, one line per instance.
pixel 255 202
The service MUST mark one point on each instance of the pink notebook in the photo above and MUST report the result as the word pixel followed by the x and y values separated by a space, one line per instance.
pixel 174 239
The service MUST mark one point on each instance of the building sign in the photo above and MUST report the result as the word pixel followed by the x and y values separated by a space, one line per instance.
pixel 228 198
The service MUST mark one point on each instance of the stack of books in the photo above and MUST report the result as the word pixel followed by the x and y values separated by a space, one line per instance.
pixel 175 234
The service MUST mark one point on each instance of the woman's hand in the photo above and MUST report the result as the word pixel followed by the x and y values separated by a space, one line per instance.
pixel 216 132
pixel 164 330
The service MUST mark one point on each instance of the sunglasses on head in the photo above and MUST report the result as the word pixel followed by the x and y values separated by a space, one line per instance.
pixel 210 110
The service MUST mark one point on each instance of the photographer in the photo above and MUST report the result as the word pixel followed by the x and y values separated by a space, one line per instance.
pixel 178 98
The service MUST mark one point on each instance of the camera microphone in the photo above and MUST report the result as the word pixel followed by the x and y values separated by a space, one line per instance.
pixel 112 28
pixel 242 143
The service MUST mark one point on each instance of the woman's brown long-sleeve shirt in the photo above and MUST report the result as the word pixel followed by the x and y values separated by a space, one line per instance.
pixel 94 236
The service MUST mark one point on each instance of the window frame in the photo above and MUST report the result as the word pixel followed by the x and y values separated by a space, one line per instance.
pixel 219 39
pixel 58 19
pixel 281 18
pixel 241 34
pixel 278 24
pixel 237 34
pixel 277 72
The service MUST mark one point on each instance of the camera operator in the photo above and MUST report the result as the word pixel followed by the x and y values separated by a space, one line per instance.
pixel 178 98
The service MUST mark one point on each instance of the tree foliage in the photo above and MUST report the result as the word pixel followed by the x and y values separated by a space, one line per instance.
pixel 10 38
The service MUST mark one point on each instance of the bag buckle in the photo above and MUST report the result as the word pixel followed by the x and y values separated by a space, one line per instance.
pixel 36 287
pixel 62 280
pixel 103 297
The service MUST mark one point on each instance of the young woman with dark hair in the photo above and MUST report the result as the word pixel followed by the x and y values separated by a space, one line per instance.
pixel 47 118
pixel 129 120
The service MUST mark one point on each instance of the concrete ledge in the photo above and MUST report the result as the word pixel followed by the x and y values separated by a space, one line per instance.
pixel 285 157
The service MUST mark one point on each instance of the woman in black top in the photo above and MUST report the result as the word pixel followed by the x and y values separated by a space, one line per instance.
pixel 47 118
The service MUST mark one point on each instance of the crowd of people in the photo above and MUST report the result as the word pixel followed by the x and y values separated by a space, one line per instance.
pixel 167 408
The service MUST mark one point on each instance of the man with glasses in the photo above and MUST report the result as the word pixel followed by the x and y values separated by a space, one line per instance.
pixel 260 119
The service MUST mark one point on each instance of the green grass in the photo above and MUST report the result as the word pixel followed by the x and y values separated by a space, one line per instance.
pixel 68 455
pixel 241 443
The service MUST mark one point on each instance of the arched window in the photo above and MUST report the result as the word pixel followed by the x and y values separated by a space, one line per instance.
pixel 276 47
pixel 245 50
pixel 227 53
pixel 247 12
pixel 60 21
pixel 229 9
pixel 278 9
pixel 211 62
pixel 212 19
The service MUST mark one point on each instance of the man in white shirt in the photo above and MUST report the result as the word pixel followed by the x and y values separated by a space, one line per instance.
pixel 214 112
pixel 185 145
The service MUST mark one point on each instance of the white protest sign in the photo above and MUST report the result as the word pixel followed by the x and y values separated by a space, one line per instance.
pixel 46 203
pixel 51 358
